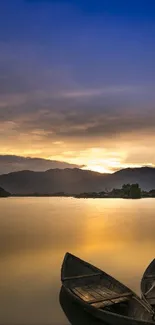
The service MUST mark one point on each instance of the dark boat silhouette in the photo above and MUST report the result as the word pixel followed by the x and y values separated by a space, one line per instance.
pixel 103 296
pixel 148 284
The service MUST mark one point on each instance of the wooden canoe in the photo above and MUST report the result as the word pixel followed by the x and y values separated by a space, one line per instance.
pixel 74 313
pixel 148 284
pixel 103 296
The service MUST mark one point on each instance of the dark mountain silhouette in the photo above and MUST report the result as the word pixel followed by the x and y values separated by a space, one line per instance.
pixel 144 176
pixel 75 180
pixel 53 180
pixel 4 193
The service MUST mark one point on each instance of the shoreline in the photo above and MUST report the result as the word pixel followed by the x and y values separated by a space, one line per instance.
pixel 77 196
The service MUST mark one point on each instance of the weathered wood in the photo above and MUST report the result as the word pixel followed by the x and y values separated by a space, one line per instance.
pixel 103 290
pixel 106 303
pixel 96 291
pixel 121 299
pixel 107 290
pixel 91 296
pixel 114 296
pixel 80 276
pixel 93 292
pixel 102 304
pixel 86 295
pixel 80 295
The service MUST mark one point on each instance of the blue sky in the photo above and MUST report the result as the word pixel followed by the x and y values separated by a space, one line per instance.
pixel 78 70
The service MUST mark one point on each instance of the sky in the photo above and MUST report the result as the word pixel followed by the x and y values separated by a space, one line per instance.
pixel 77 81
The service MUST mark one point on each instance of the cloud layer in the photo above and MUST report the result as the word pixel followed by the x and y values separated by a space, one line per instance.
pixel 10 163
pixel 76 88
pixel 67 126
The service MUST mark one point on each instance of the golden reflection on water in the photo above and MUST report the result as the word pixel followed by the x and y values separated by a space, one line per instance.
pixel 113 234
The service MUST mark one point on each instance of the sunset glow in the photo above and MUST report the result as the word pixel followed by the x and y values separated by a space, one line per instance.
pixel 84 95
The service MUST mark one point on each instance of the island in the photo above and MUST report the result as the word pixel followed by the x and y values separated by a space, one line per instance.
pixel 127 191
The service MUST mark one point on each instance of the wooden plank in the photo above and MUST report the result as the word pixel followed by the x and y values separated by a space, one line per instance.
pixel 80 295
pixel 88 297
pixel 106 303
pixel 118 300
pixel 81 276
pixel 108 291
pixel 90 294
pixel 103 290
pixel 102 304
pixel 91 290
pixel 97 289
pixel 113 297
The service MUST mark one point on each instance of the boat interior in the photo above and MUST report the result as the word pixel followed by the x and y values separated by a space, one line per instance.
pixel 104 294
pixel 102 291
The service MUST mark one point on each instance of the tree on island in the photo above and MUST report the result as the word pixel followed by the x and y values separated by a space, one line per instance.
pixel 126 188
pixel 152 193
pixel 127 191
pixel 132 191
pixel 116 192
pixel 135 191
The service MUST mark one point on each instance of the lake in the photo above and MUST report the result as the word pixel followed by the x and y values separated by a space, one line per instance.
pixel 116 235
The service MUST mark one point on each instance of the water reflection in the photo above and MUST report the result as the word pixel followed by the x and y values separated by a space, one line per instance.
pixel 115 235
pixel 75 313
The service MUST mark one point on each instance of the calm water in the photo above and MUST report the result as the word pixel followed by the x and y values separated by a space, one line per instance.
pixel 113 234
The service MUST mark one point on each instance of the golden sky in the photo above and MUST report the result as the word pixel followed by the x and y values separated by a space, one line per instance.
pixel 102 153
pixel 75 87
pixel 78 128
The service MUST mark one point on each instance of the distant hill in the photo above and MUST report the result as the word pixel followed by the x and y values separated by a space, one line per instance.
pixel 53 180
pixel 144 176
pixel 4 193
pixel 12 163
pixel 75 181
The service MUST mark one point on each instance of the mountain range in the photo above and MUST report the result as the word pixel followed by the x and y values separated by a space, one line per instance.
pixel 75 180
pixel 14 163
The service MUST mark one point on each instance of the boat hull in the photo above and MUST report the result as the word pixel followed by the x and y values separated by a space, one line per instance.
pixel 148 285
pixel 101 295
pixel 108 318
